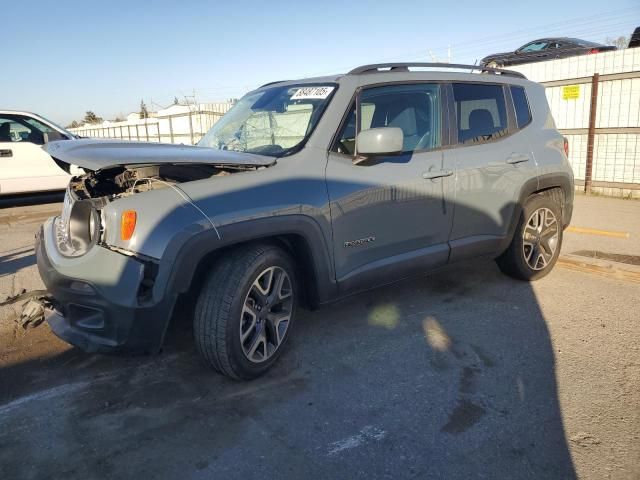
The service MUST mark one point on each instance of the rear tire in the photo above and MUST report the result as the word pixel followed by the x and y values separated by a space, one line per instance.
pixel 537 241
pixel 245 311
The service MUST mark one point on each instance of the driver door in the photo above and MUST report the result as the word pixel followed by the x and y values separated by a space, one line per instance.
pixel 391 215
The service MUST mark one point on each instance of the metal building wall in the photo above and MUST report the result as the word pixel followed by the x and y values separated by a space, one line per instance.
pixel 616 143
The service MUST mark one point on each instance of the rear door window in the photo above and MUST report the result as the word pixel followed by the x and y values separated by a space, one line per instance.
pixel 481 114
pixel 521 106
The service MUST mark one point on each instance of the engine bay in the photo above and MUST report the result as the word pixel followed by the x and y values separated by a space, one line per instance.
pixel 120 181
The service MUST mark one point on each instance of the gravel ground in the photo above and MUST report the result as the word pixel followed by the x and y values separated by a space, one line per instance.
pixel 463 374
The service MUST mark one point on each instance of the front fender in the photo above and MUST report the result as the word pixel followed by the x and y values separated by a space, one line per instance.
pixel 182 258
pixel 163 217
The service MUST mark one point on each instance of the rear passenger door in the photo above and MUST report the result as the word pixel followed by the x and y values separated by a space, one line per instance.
pixel 493 160
pixel 391 215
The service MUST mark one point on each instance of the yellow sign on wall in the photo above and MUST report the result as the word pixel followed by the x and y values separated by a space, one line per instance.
pixel 570 92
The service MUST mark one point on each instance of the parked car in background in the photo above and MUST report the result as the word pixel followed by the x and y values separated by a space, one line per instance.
pixel 24 165
pixel 635 39
pixel 302 193
pixel 545 49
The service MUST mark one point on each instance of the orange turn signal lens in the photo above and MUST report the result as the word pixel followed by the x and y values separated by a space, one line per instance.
pixel 128 224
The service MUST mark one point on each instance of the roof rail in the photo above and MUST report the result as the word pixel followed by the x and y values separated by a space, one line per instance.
pixel 404 67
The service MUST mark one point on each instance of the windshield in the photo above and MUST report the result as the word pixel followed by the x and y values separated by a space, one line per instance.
pixel 271 122
pixel 534 47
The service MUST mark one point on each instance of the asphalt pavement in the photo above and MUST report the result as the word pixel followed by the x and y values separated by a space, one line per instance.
pixel 462 374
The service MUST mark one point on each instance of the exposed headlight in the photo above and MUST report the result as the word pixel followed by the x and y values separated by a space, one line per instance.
pixel 78 227
pixel 93 225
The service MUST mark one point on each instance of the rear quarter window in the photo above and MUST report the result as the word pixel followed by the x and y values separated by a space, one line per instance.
pixel 521 106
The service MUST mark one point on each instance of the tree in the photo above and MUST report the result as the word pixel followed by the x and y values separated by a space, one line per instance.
pixel 620 42
pixel 144 113
pixel 92 118
pixel 73 124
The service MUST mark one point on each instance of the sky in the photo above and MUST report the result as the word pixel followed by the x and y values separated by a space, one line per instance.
pixel 63 58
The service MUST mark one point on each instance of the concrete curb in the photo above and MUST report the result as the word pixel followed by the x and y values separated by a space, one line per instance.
pixel 605 268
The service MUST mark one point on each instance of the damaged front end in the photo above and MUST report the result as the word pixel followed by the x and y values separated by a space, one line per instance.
pixel 93 300
pixel 109 283
pixel 117 169
pixel 82 223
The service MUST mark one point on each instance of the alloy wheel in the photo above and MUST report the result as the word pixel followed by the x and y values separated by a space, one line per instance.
pixel 540 238
pixel 266 314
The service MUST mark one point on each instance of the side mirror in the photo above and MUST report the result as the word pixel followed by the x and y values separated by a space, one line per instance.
pixel 380 141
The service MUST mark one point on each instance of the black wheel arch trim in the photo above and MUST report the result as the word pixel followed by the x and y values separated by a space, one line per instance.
pixel 564 181
pixel 182 259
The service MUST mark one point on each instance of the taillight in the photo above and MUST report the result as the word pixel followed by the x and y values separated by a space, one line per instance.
pixel 127 224
pixel 566 147
pixel 594 50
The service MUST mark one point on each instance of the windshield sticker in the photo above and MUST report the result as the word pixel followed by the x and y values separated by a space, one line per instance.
pixel 312 92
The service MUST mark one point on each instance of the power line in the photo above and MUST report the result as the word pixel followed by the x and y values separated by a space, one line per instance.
pixel 577 26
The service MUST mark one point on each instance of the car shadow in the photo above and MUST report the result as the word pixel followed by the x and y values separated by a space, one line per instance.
pixel 448 376
pixel 27 199
pixel 14 261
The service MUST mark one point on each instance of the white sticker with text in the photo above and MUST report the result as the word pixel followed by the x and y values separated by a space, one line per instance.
pixel 312 92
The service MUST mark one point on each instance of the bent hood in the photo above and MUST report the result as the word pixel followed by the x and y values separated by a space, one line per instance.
pixel 98 154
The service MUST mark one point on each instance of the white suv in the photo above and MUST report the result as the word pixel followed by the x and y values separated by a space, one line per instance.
pixel 24 165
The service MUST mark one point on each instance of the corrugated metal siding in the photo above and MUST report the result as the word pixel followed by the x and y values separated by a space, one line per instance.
pixel 607 63
pixel 616 153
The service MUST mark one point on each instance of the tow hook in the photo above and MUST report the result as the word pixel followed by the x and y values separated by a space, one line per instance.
pixel 33 310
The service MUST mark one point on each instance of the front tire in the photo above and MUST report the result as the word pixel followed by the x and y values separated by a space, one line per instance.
pixel 245 311
pixel 537 241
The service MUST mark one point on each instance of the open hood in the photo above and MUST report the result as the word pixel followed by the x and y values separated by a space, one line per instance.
pixel 94 155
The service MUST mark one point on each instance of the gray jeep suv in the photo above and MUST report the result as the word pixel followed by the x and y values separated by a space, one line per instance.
pixel 305 192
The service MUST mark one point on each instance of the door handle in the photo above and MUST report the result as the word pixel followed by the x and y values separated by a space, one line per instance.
pixel 436 174
pixel 517 158
pixel 6 153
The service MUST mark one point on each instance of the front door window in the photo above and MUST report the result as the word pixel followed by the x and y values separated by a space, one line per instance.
pixel 415 109
pixel 18 128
